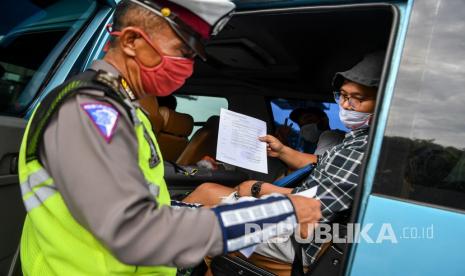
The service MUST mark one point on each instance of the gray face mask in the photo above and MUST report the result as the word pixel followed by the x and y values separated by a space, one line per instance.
pixel 354 119
pixel 310 133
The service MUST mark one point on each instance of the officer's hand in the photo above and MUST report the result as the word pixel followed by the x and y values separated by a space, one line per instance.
pixel 274 147
pixel 308 213
pixel 243 189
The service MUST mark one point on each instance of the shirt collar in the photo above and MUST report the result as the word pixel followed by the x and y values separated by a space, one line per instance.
pixel 109 68
pixel 357 133
pixel 105 66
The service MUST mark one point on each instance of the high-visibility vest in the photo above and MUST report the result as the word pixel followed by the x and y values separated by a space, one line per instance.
pixel 53 242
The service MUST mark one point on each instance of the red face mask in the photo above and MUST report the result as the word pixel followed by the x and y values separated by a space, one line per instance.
pixel 166 77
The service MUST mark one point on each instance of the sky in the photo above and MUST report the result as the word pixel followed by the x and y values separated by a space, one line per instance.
pixel 429 97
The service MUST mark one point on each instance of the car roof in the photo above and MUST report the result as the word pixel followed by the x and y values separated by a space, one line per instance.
pixel 292 52
pixel 266 4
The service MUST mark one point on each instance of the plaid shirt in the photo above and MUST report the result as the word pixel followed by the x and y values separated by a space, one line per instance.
pixel 337 175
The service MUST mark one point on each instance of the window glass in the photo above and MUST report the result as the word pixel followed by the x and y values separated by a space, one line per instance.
pixel 282 108
pixel 32 36
pixel 422 155
pixel 200 107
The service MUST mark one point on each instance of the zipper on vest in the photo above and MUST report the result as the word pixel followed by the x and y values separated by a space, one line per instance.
pixel 154 159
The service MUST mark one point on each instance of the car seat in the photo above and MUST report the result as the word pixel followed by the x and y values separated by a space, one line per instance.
pixel 150 105
pixel 173 136
pixel 202 143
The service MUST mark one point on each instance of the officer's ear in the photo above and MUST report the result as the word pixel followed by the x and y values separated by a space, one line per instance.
pixel 127 41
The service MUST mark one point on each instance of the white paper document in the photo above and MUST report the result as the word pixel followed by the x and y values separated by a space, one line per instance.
pixel 238 142
pixel 310 193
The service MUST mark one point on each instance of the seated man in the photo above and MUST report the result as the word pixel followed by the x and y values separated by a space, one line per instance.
pixel 315 134
pixel 337 171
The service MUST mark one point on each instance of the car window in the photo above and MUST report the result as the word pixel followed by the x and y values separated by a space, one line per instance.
pixel 33 34
pixel 200 107
pixel 422 155
pixel 282 108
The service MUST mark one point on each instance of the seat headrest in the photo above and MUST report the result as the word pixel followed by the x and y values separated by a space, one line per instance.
pixel 150 105
pixel 176 123
pixel 213 122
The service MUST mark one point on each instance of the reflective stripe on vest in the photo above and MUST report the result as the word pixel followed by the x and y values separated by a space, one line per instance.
pixel 34 197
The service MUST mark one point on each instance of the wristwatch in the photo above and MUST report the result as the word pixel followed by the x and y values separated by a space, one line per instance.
pixel 256 187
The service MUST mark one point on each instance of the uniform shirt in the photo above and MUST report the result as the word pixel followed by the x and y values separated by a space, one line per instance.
pixel 105 191
pixel 336 174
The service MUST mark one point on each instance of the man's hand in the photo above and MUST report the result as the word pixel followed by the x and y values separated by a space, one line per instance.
pixel 243 189
pixel 274 147
pixel 308 213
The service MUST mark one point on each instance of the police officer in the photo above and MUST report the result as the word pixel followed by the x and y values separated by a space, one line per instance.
pixel 90 168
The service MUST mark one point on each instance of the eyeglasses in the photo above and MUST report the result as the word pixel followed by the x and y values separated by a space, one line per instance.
pixel 353 102
pixel 184 50
pixel 187 53
pixel 189 37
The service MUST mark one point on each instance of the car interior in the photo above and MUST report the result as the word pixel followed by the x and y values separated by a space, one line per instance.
pixel 288 53
pixel 259 56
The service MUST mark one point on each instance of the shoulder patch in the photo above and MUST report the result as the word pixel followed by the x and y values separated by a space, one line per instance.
pixel 104 117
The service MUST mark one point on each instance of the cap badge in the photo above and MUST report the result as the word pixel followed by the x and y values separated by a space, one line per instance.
pixel 165 12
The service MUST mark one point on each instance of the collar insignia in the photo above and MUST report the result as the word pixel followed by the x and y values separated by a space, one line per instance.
pixel 127 90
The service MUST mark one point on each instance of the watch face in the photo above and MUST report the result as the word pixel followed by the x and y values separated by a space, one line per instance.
pixel 256 187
